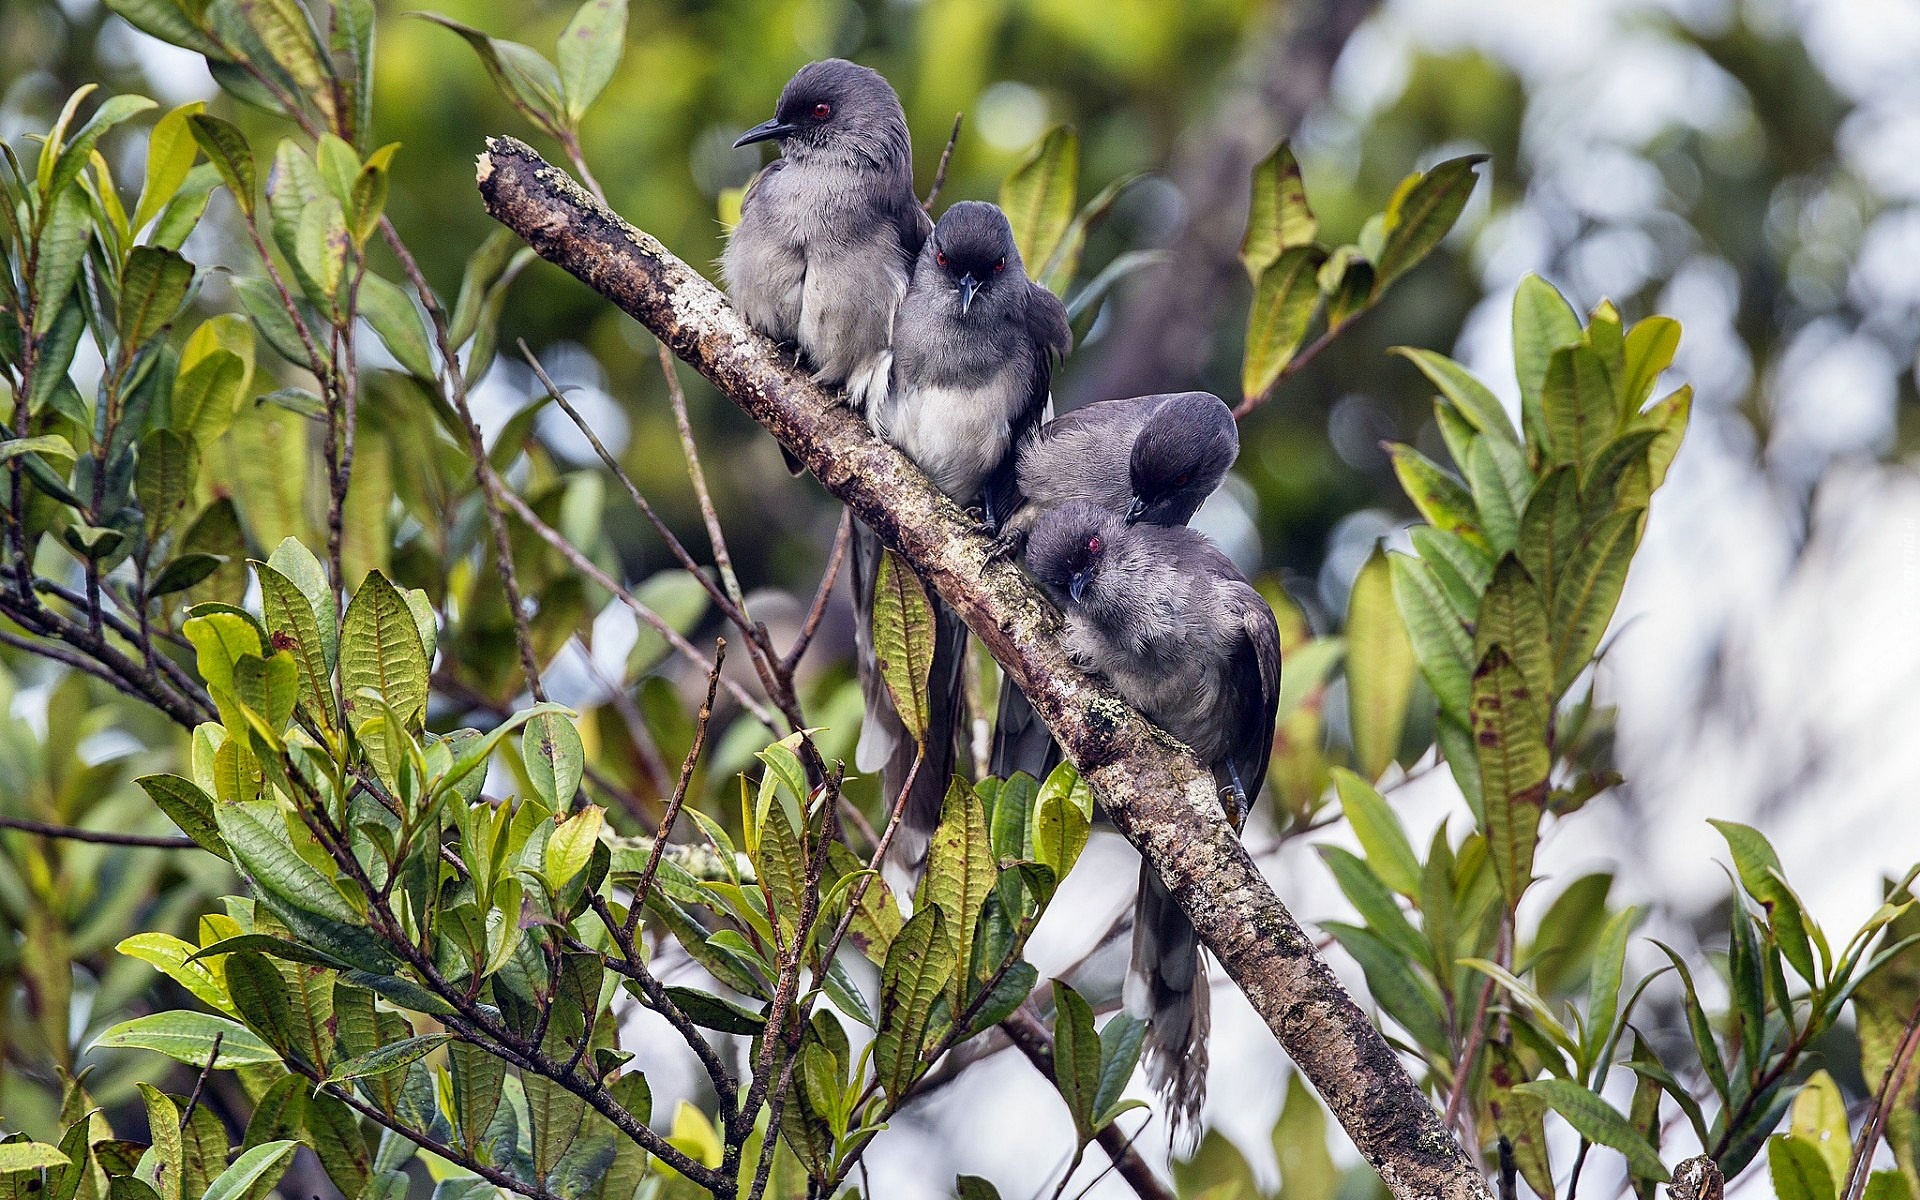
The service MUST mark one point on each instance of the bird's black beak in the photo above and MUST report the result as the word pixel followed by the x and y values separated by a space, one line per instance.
pixel 1077 587
pixel 1136 510
pixel 969 286
pixel 764 131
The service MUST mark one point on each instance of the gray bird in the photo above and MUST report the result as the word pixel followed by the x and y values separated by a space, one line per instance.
pixel 1149 459
pixel 1173 624
pixel 829 232
pixel 974 346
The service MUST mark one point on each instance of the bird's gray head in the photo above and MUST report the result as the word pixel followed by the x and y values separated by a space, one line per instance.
pixel 1068 547
pixel 837 109
pixel 972 247
pixel 1179 458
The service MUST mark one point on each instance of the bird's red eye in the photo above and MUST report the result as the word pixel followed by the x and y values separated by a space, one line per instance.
pixel 940 256
pixel 1000 266
pixel 1093 545
pixel 1180 482
pixel 822 111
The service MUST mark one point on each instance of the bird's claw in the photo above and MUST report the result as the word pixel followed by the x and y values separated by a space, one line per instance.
pixel 1004 547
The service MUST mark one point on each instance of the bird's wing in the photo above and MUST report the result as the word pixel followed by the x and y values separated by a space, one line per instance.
pixel 1256 681
pixel 760 177
pixel 912 225
pixel 1052 339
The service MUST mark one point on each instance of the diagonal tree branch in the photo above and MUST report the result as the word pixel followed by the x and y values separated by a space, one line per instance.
pixel 1157 794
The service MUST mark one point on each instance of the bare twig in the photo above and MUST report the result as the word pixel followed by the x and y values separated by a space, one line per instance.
pixel 946 156
pixel 722 560
pixel 97 836
pixel 818 609
pixel 1892 1082
pixel 200 1084
pixel 679 789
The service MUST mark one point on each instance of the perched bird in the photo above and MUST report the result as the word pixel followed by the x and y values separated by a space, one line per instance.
pixel 1148 459
pixel 829 232
pixel 974 346
pixel 1173 624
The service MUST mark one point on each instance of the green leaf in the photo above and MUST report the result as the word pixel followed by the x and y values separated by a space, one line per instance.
pixel 1401 994
pixel 73 156
pixel 321 246
pixel 188 807
pixel 1668 420
pixel 972 1187
pixel 1598 1122
pixel 188 1037
pixel 152 289
pixel 1650 347
pixel 1040 194
pixel 206 397
pixel 1441 644
pixel 163 481
pixel 391 312
pixel 1577 405
pixel 301 568
pixel 903 640
pixel 1512 616
pixel 1441 499
pixel 254 1174
pixel 555 758
pixel 1076 1057
pixel 1550 530
pixel 1370 897
pixel 1285 294
pixel 1543 322
pixel 712 1012
pixel 1764 879
pixel 1603 985
pixel 1797 1169
pixel 919 963
pixel 1062 820
pixel 30 1156
pixel 176 959
pixel 1474 399
pixel 522 72
pixel 960 874
pixel 1509 734
pixel 1422 210
pixel 298 894
pixel 170 154
pixel 187 571
pixel 63 246
pixel 570 845
pixel 1380 667
pixel 292 628
pixel 1389 854
pixel 390 1057
pixel 589 52
pixel 1819 1118
pixel 1278 218
pixel 1497 475
pixel 380 651
pixel 226 148
pixel 1584 601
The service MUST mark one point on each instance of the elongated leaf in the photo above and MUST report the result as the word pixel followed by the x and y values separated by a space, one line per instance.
pixel 1577 404
pixel 520 71
pixel 555 758
pixel 1543 322
pixel 1040 194
pixel 170 154
pixel 1076 1057
pixel 1062 820
pixel 175 958
pixel 226 148
pixel 1441 643
pixel 30 1156
pixel 188 1037
pixel 1513 617
pixel 919 963
pixel 903 639
pixel 393 316
pixel 63 246
pixel 1584 602
pixel 1389 854
pixel 1285 294
pixel 1422 211
pixel 960 875
pixel 73 156
pixel 1599 1123
pixel 254 1174
pixel 293 629
pixel 589 52
pixel 1441 499
pixel 390 1057
pixel 1474 399
pixel 1764 879
pixel 570 845
pixel 1509 734
pixel 1380 667
pixel 1797 1169
pixel 1278 219
pixel 380 651
pixel 1649 349
pixel 152 289
pixel 188 807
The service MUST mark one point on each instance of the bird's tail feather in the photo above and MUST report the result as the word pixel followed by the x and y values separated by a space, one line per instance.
pixel 1021 741
pixel 1167 987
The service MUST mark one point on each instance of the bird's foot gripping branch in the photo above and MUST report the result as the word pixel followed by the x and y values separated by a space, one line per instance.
pixel 1163 801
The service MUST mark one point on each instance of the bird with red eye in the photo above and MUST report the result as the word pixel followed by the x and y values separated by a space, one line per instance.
pixel 822 111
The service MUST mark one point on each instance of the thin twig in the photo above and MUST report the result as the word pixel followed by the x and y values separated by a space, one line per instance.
pixel 591 570
pixel 677 396
pixel 1892 1082
pixel 946 156
pixel 200 1084
pixel 679 789
pixel 99 837
pixel 818 609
